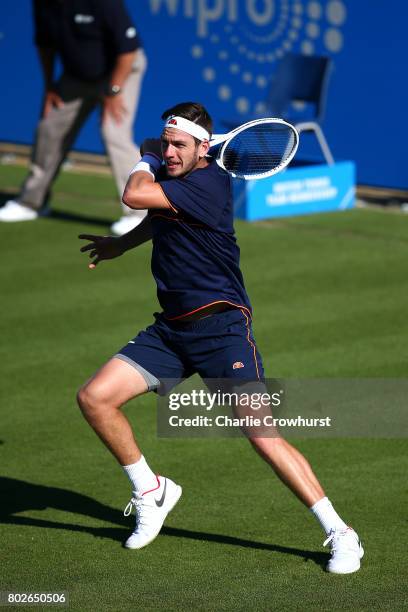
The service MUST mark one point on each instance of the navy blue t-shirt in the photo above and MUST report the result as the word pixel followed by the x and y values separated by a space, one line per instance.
pixel 195 258
pixel 87 34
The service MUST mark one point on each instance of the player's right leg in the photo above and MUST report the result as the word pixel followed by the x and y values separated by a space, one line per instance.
pixel 101 399
pixel 136 369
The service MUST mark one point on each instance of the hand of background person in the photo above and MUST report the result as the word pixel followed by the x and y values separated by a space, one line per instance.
pixel 114 107
pixel 151 145
pixel 101 247
pixel 51 100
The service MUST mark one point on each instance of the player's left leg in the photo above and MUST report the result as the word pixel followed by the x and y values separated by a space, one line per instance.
pixel 291 467
pixel 237 358
pixel 295 471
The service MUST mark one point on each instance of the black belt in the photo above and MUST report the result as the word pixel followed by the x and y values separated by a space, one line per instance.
pixel 203 314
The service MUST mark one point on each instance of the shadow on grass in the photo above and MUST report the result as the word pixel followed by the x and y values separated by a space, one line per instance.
pixel 19 496
pixel 4 196
pixel 60 215
pixel 77 218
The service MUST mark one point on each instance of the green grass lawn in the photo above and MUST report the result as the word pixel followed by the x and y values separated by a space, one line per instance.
pixel 330 299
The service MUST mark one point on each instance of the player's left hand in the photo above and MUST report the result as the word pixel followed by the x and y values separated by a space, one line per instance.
pixel 151 145
pixel 114 107
pixel 101 247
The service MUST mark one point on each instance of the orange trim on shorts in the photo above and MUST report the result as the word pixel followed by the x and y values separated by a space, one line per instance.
pixel 250 342
pixel 186 314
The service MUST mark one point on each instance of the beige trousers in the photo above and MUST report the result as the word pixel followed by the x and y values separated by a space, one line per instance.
pixel 56 134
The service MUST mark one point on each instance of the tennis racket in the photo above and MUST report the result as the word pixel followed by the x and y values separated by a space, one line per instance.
pixel 257 149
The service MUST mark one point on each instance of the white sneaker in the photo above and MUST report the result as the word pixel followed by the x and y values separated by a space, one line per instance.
pixel 346 551
pixel 14 211
pixel 125 224
pixel 152 507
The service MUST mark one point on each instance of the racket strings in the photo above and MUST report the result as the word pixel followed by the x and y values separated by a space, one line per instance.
pixel 259 150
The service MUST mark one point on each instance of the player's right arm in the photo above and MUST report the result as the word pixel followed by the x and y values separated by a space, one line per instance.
pixel 141 190
pixel 110 247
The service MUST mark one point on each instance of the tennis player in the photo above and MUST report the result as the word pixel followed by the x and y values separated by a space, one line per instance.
pixel 204 326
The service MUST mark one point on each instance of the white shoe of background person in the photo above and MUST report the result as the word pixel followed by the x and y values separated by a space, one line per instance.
pixel 346 551
pixel 13 211
pixel 125 224
pixel 152 507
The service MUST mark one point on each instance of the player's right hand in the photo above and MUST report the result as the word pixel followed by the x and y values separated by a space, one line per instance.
pixel 151 145
pixel 101 247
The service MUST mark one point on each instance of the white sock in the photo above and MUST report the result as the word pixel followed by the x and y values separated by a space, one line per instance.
pixel 141 476
pixel 327 516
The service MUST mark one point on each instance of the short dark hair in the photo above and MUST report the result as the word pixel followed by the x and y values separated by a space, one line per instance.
pixel 193 111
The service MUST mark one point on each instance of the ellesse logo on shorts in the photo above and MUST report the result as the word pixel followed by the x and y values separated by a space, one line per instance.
pixel 237 365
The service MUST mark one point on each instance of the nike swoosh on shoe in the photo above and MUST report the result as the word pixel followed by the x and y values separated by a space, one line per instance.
pixel 160 502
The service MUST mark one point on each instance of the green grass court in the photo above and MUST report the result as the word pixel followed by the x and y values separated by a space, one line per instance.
pixel 330 300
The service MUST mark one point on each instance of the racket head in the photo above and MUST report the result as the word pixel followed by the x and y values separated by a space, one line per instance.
pixel 258 149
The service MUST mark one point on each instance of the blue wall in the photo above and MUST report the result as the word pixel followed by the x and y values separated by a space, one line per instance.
pixel 222 52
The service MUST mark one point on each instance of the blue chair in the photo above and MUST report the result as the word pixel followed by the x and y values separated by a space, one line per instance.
pixel 298 90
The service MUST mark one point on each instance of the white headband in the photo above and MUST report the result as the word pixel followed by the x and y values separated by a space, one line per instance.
pixel 185 125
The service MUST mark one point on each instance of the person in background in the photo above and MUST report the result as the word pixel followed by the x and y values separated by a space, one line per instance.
pixel 103 64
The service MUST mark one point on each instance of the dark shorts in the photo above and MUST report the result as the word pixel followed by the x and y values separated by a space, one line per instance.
pixel 220 346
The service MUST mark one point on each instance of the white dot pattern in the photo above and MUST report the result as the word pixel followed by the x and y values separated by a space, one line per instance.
pixel 237 58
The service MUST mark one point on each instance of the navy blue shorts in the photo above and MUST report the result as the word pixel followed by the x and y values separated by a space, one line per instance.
pixel 220 346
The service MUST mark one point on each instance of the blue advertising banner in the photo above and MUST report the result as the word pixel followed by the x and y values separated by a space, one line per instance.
pixel 297 191
pixel 224 54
